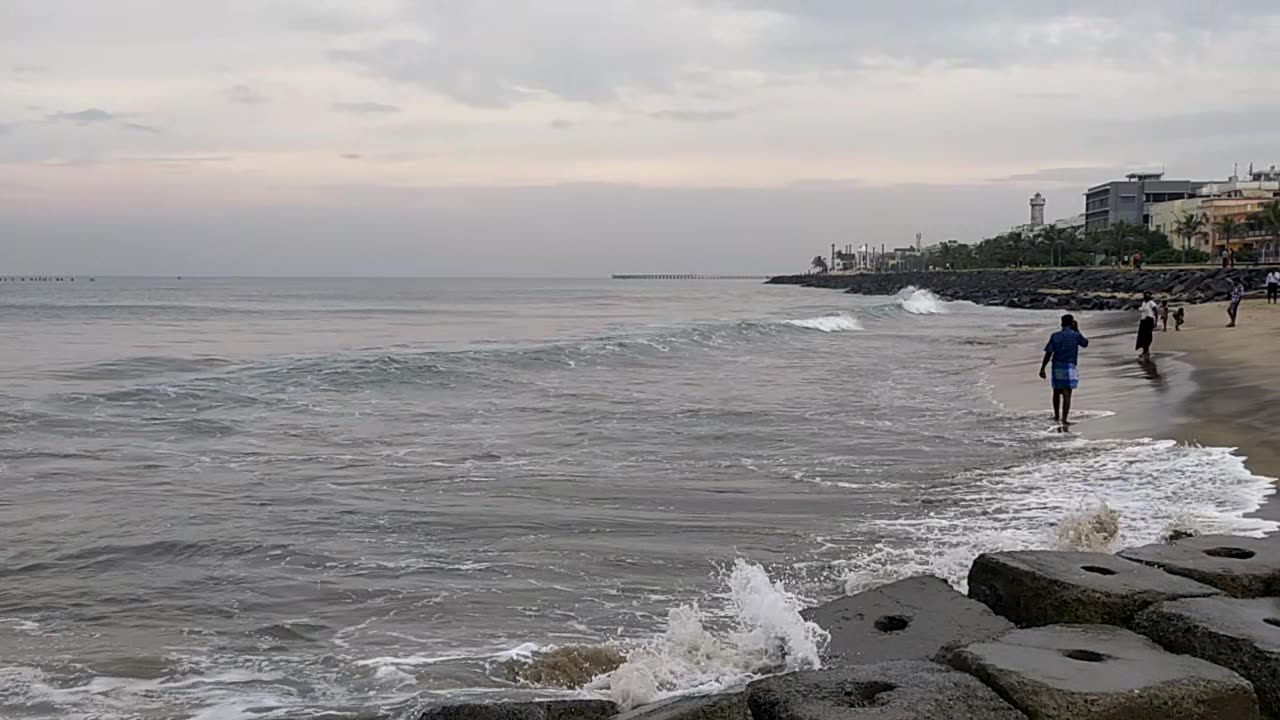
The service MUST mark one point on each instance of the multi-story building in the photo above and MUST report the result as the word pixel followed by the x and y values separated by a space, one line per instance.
pixel 1235 198
pixel 1130 200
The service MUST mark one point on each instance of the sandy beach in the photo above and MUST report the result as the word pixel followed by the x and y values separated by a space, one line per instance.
pixel 1206 384
pixel 1237 374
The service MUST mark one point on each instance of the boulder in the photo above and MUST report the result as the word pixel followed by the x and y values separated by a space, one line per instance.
pixel 1043 587
pixel 1098 672
pixel 1239 566
pixel 905 690
pixel 910 619
pixel 1240 634
pixel 730 706
pixel 545 710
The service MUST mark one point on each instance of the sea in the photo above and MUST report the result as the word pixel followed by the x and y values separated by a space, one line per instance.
pixel 349 498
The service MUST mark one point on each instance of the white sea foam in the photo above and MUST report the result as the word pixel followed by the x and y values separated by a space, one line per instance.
pixel 764 633
pixel 1093 495
pixel 919 301
pixel 838 322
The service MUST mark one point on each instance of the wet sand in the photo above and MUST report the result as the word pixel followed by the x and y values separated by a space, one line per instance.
pixel 1207 384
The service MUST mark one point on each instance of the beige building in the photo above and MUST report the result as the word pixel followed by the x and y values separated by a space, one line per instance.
pixel 1235 198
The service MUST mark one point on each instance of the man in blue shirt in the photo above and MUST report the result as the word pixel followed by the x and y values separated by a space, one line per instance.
pixel 1063 350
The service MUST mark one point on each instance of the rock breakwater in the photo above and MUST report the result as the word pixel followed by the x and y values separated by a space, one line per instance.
pixel 1042 634
pixel 1048 289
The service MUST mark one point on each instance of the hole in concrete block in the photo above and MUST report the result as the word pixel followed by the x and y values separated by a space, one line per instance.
pixel 867 694
pixel 1084 655
pixel 892 623
pixel 1230 552
pixel 1096 570
pixel 1272 621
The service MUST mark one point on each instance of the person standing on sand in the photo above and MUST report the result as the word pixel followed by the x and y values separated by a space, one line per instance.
pixel 1164 315
pixel 1273 287
pixel 1147 313
pixel 1063 351
pixel 1237 294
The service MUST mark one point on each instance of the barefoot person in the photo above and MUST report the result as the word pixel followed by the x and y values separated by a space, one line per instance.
pixel 1147 313
pixel 1063 351
pixel 1237 294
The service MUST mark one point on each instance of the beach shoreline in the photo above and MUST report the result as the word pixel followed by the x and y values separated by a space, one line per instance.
pixel 1205 385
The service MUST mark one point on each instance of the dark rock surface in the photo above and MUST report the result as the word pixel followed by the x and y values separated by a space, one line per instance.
pixel 1239 566
pixel 730 706
pixel 548 710
pixel 1069 288
pixel 907 690
pixel 1043 587
pixel 1240 634
pixel 1096 672
pixel 911 619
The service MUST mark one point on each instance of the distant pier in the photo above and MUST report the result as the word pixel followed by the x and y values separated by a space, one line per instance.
pixel 38 278
pixel 690 277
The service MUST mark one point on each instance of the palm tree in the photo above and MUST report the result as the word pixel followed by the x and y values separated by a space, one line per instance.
pixel 1269 219
pixel 820 264
pixel 1189 226
pixel 1229 228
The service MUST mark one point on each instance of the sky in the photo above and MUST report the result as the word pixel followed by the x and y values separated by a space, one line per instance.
pixel 584 137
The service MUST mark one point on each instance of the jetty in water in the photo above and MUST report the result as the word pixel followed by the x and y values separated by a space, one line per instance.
pixel 690 277
pixel 38 278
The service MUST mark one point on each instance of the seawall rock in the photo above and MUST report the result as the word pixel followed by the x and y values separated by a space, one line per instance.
pixel 887 691
pixel 729 706
pixel 1047 288
pixel 1043 587
pixel 1239 566
pixel 544 710
pixel 1235 633
pixel 911 619
pixel 1098 672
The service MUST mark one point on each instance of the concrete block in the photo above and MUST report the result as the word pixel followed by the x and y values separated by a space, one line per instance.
pixel 1239 566
pixel 905 690
pixel 911 619
pixel 729 706
pixel 1239 634
pixel 547 710
pixel 1099 672
pixel 1041 587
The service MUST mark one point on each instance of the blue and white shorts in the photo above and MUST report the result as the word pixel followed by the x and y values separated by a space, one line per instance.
pixel 1065 376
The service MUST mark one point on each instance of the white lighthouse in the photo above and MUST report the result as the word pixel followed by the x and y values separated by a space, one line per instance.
pixel 1037 210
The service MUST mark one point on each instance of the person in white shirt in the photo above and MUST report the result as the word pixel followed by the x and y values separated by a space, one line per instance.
pixel 1147 313
pixel 1273 287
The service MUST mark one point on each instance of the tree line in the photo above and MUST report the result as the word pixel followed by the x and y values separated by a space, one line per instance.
pixel 1051 246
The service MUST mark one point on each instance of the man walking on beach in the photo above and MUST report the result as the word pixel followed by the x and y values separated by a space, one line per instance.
pixel 1063 351
pixel 1147 313
pixel 1273 287
pixel 1237 294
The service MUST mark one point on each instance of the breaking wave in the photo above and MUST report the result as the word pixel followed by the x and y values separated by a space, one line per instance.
pixel 839 322
pixel 764 634
pixel 919 301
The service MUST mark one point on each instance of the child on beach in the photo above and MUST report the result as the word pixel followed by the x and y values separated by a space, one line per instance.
pixel 1179 317
pixel 1164 315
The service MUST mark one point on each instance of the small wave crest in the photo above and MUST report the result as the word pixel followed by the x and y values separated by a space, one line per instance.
pixel 919 301
pixel 838 322
pixel 765 633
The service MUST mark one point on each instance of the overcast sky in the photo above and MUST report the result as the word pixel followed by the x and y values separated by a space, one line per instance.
pixel 582 137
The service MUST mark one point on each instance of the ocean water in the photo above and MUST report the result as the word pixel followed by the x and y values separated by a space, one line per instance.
pixel 318 498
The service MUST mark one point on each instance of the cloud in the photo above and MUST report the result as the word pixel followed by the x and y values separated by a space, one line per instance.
pixel 1067 175
pixel 561 124
pixel 695 116
pixel 245 95
pixel 351 156
pixel 364 108
pixel 89 116
pixel 139 127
